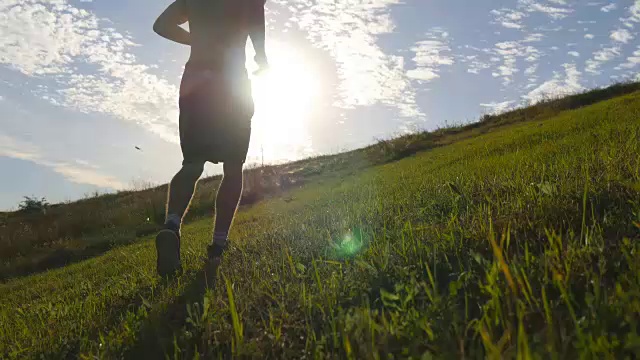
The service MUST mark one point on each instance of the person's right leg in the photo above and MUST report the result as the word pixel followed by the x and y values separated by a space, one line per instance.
pixel 236 129
pixel 180 192
pixel 227 201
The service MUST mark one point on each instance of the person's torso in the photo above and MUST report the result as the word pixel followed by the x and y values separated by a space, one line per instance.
pixel 219 31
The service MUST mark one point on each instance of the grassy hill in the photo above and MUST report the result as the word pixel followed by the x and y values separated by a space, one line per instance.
pixel 516 236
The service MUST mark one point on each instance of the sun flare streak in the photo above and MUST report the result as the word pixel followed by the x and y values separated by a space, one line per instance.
pixel 284 98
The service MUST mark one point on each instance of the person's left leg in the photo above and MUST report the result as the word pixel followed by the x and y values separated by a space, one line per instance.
pixel 180 192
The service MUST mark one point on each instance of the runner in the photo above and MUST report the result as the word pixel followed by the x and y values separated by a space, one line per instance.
pixel 216 108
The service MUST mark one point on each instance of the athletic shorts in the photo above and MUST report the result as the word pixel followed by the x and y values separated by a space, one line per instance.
pixel 215 115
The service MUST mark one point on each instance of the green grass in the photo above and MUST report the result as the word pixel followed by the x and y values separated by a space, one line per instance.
pixel 71 232
pixel 519 241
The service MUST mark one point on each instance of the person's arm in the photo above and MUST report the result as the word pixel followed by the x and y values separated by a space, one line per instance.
pixel 257 34
pixel 167 24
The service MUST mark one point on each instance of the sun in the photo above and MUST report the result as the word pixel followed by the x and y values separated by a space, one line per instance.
pixel 284 98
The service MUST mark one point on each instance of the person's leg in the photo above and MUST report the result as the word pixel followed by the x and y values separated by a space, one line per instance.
pixel 180 192
pixel 179 196
pixel 227 201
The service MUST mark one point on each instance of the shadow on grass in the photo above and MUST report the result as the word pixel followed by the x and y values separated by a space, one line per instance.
pixel 130 304
pixel 155 339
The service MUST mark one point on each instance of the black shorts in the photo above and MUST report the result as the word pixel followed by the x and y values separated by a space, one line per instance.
pixel 215 116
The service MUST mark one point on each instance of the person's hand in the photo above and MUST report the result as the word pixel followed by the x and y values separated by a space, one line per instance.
pixel 261 70
pixel 263 64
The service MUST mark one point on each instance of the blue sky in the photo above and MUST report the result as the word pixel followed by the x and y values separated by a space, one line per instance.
pixel 83 82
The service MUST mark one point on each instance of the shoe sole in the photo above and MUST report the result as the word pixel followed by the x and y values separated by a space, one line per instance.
pixel 168 250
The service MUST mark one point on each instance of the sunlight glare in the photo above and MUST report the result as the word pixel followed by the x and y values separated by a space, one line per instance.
pixel 284 98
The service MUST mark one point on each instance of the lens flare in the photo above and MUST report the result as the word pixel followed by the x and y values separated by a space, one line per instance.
pixel 349 244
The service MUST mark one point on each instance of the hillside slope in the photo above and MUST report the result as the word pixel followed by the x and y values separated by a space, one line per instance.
pixel 520 240
pixel 76 231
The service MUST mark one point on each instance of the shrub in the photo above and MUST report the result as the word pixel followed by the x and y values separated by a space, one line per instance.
pixel 33 205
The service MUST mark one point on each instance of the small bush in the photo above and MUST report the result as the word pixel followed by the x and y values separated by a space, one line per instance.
pixel 33 205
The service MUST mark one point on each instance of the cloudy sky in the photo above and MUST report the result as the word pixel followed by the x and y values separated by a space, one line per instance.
pixel 83 82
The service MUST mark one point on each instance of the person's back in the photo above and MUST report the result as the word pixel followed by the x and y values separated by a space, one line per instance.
pixel 216 108
pixel 219 31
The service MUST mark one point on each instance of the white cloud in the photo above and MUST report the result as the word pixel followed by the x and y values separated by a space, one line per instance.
pixel 85 163
pixel 510 52
pixel 574 53
pixel 533 37
pixel 606 54
pixel 12 148
pixel 621 35
pixel 632 61
pixel 495 108
pixel 531 70
pixel 558 86
pixel 634 14
pixel 431 55
pixel 589 36
pixel 600 57
pixel 86 175
pixel 609 8
pixel 547 28
pixel 509 18
pixel 50 38
pixel 555 12
pixel 80 173
pixel 505 57
pixel 349 31
pixel 474 64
